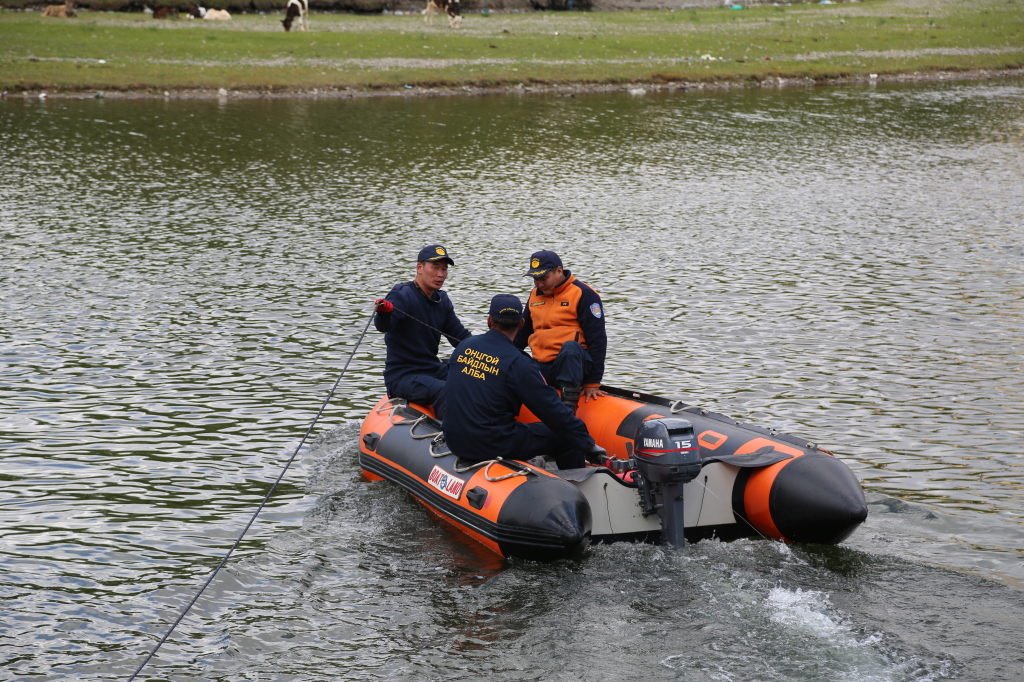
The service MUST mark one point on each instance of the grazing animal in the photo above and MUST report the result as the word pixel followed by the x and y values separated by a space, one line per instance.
pixel 166 13
pixel 60 11
pixel 450 6
pixel 296 8
pixel 216 14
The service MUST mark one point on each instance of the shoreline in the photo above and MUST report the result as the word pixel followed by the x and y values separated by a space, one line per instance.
pixel 120 55
pixel 639 87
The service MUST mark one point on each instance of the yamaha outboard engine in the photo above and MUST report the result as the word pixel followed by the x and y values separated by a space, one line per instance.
pixel 667 456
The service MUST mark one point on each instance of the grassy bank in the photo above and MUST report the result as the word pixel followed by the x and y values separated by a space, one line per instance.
pixel 104 51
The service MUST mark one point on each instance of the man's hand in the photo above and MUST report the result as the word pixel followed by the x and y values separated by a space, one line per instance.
pixel 594 392
pixel 382 305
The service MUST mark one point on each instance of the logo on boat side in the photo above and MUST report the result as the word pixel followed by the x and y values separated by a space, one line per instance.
pixel 445 482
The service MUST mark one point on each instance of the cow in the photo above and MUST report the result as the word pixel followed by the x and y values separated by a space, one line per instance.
pixel 216 14
pixel 296 8
pixel 450 6
pixel 60 11
pixel 166 13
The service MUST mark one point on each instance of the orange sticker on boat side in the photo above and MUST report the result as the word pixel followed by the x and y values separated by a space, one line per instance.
pixel 711 439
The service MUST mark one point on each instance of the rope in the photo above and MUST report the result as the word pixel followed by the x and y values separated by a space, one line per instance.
pixel 416 319
pixel 704 485
pixel 677 406
pixel 262 504
pixel 492 462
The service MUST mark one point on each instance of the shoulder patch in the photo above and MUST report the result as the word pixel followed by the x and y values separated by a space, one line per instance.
pixel 595 308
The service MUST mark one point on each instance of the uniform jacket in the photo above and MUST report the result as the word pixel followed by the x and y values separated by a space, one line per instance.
pixel 573 312
pixel 489 380
pixel 412 347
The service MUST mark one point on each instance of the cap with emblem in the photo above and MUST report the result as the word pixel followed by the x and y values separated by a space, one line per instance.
pixel 434 252
pixel 541 262
pixel 506 308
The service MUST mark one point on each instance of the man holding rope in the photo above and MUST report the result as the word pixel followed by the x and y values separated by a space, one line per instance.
pixel 413 316
pixel 489 380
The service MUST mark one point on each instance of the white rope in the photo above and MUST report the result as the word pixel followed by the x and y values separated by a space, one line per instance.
pixel 492 462
pixel 745 520
pixel 678 406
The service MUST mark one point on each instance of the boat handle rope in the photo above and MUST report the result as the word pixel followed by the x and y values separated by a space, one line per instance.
pixel 266 497
pixel 676 409
pixel 437 436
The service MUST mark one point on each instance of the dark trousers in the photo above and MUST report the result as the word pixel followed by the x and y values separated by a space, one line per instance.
pixel 422 389
pixel 568 367
pixel 537 440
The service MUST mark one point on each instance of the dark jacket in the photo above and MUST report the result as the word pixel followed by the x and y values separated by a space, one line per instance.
pixel 412 347
pixel 489 380
pixel 572 313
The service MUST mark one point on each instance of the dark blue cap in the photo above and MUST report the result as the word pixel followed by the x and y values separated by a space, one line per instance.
pixel 506 308
pixel 434 252
pixel 541 262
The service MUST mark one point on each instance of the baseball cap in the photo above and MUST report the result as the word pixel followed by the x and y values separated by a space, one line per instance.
pixel 434 252
pixel 506 308
pixel 541 262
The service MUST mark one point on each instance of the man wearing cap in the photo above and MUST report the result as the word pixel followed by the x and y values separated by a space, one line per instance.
pixel 564 327
pixel 489 381
pixel 413 316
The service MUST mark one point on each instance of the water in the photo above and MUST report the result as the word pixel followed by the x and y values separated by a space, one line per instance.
pixel 181 283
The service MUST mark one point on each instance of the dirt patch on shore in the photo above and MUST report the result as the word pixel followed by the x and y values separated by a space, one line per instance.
pixel 554 89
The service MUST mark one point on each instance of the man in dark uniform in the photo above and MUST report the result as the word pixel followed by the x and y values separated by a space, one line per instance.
pixel 565 329
pixel 412 370
pixel 489 380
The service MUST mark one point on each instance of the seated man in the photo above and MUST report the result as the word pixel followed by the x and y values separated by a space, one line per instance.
pixel 413 316
pixel 565 329
pixel 489 380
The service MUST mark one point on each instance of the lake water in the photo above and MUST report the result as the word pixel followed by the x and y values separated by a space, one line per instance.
pixel 182 282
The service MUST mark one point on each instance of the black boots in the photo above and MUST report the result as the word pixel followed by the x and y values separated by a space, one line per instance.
pixel 571 397
pixel 596 454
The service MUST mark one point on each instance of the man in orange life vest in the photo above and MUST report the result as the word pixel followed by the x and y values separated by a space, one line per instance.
pixel 565 329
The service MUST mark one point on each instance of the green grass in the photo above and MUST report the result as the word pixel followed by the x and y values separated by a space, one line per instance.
pixel 344 51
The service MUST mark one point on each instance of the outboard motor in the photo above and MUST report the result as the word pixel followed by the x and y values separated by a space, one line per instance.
pixel 667 456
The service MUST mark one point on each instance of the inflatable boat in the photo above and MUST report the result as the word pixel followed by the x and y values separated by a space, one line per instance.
pixel 674 473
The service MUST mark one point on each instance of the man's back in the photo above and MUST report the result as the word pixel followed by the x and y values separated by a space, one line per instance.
pixel 489 381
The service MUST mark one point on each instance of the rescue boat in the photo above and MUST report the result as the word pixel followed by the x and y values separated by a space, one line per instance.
pixel 675 473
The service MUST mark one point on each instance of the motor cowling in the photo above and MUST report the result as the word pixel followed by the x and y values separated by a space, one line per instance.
pixel 667 456
pixel 666 451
